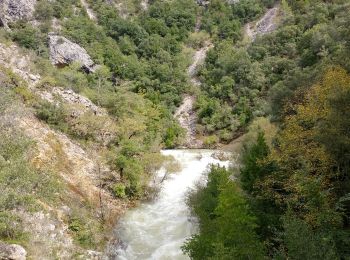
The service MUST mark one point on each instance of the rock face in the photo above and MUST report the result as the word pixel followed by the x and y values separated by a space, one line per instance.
pixel 64 52
pixel 187 118
pixel 12 252
pixel 185 114
pixel 89 11
pixel 265 25
pixel 13 10
pixel 70 97
pixel 12 58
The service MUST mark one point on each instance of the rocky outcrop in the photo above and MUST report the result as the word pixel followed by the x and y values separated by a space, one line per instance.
pixel 13 10
pixel 198 59
pixel 187 118
pixel 48 234
pixel 64 52
pixel 186 114
pixel 81 170
pixel 89 11
pixel 12 252
pixel 265 25
pixel 68 96
pixel 144 5
pixel 12 58
pixel 203 2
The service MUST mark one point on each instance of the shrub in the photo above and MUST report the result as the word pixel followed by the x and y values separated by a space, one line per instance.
pixel 47 82
pixel 210 141
pixel 26 94
pixel 172 136
pixel 119 190
pixel 197 39
pixel 81 232
pixel 52 114
pixel 10 227
pixel 26 36
pixel 43 11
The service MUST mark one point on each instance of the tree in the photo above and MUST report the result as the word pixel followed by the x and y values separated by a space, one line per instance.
pixel 252 169
pixel 227 227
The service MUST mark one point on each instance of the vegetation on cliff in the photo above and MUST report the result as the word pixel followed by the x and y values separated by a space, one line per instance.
pixel 295 187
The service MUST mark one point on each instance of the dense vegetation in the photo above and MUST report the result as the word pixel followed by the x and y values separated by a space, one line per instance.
pixel 290 198
pixel 139 84
pixel 290 201
pixel 238 81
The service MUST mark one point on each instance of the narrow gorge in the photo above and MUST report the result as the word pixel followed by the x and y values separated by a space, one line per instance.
pixel 178 129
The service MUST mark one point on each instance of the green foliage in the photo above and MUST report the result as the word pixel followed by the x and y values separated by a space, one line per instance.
pixel 43 11
pixel 53 114
pixel 197 40
pixel 172 136
pixel 298 191
pixel 81 231
pixel 251 170
pixel 26 35
pixel 20 183
pixel 309 38
pixel 145 50
pixel 248 10
pixel 119 190
pixel 227 228
pixel 304 243
pixel 11 228
pixel 210 141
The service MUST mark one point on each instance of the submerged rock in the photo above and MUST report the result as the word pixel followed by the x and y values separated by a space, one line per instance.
pixel 12 252
pixel 64 52
pixel 13 10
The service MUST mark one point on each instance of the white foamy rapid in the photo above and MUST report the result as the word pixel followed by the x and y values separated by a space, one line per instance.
pixel 158 229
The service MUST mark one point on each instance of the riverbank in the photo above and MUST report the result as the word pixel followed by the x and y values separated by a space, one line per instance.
pixel 157 229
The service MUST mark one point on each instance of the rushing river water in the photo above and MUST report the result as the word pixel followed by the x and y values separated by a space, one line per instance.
pixel 156 230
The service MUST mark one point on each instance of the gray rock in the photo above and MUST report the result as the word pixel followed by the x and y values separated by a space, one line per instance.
pixel 13 10
pixel 94 255
pixel 64 52
pixel 12 252
pixel 203 2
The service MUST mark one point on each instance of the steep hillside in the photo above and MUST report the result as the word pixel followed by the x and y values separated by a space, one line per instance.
pixel 94 158
pixel 287 92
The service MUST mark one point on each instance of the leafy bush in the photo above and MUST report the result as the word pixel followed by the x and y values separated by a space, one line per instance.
pixel 210 141
pixel 173 136
pixel 29 37
pixel 227 226
pixel 81 232
pixel 43 11
pixel 119 190
pixel 11 229
pixel 54 115
pixel 197 40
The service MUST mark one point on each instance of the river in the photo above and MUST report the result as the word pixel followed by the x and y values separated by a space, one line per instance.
pixel 157 230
